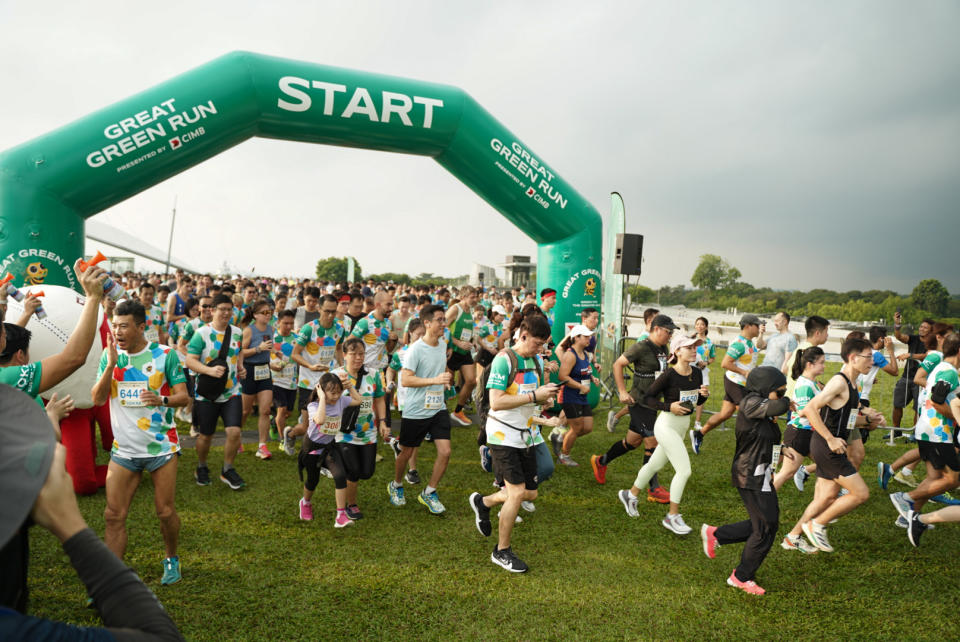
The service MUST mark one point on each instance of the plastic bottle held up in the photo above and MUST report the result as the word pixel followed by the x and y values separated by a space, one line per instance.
pixel 11 290
pixel 39 312
pixel 111 288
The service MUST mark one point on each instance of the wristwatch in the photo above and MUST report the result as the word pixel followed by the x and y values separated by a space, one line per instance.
pixel 164 400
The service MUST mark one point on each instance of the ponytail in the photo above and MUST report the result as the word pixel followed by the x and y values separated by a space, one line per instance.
pixel 804 357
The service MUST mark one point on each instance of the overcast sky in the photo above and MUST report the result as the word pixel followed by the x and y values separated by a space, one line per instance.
pixel 812 144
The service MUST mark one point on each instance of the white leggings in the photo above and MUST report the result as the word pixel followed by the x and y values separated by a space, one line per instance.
pixel 669 430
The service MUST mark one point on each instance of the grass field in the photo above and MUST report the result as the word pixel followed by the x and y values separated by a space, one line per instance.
pixel 253 571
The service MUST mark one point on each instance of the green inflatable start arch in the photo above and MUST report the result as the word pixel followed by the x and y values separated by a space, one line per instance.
pixel 50 185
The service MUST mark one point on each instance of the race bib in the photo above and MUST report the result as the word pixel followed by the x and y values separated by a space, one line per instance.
pixel 366 406
pixel 152 334
pixel 261 372
pixel 326 354
pixel 526 388
pixel 467 334
pixel 128 393
pixel 331 426
pixel 775 457
pixel 289 371
pixel 689 395
pixel 434 398
pixel 852 420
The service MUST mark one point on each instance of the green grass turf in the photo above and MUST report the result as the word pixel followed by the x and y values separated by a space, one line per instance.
pixel 253 571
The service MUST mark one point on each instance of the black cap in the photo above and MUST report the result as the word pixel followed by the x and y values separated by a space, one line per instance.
pixel 749 319
pixel 663 321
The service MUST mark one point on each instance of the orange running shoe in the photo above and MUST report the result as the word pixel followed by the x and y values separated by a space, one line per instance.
pixel 599 470
pixel 660 495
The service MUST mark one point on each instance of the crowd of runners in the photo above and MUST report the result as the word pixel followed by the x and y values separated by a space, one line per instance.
pixel 324 366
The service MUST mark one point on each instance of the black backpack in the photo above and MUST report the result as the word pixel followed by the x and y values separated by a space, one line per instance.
pixel 481 396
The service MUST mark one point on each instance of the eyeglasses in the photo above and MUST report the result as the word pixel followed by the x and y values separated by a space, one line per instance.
pixel 224 309
pixel 865 356
pixel 205 307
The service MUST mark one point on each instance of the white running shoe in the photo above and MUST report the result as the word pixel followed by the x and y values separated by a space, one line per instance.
pixel 530 507
pixel 798 543
pixel 674 522
pixel 611 420
pixel 817 536
pixel 629 502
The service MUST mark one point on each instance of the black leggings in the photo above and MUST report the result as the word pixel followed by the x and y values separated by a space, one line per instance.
pixel 759 532
pixel 329 459
pixel 359 460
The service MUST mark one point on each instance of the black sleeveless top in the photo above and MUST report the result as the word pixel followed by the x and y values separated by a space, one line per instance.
pixel 838 421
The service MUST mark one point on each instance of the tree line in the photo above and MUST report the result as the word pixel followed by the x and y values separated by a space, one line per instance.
pixel 717 287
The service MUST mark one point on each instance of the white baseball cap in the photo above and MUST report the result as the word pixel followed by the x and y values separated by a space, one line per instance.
pixel 580 330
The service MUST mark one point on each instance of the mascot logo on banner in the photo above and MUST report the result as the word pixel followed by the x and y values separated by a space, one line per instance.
pixel 35 274
pixel 589 287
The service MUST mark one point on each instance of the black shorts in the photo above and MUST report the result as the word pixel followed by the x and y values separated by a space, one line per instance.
pixel 642 420
pixel 940 455
pixel 208 412
pixel 359 460
pixel 515 465
pixel 284 398
pixel 250 386
pixel 303 400
pixel 798 439
pixel 412 431
pixel 577 410
pixel 830 465
pixel 732 392
pixel 484 358
pixel 904 393
pixel 457 361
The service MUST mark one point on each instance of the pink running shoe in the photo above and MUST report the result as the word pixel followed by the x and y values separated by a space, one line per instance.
pixel 342 520
pixel 263 452
pixel 709 540
pixel 306 510
pixel 749 586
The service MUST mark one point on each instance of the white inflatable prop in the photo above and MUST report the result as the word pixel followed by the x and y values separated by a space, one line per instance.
pixel 50 335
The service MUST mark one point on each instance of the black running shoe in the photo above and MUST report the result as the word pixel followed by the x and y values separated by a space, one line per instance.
pixel 232 479
pixel 915 528
pixel 353 512
pixel 482 513
pixel 508 560
pixel 412 477
pixel 202 475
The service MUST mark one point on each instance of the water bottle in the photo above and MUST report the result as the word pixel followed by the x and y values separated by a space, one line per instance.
pixel 111 288
pixel 11 290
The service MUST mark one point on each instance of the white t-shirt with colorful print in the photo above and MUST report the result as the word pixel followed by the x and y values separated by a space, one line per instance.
pixel 513 427
pixel 375 334
pixel 286 377
pixel 205 345
pixel 370 388
pixel 931 425
pixel 804 390
pixel 154 321
pixel 319 347
pixel 745 354
pixel 139 430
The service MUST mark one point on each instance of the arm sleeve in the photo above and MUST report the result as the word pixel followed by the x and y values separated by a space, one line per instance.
pixel 129 609
pixel 656 391
pixel 756 407
pixel 195 347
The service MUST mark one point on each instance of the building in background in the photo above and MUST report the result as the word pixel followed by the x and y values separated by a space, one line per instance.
pixel 519 272
pixel 483 276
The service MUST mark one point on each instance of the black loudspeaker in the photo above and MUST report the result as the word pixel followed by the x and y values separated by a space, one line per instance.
pixel 629 254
